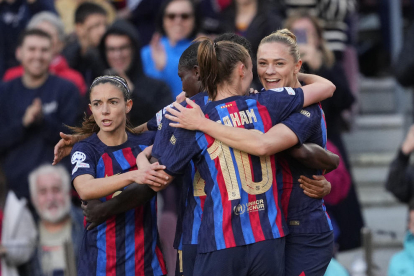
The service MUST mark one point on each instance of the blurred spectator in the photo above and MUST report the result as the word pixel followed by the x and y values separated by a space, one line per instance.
pixel 404 66
pixel 17 231
pixel 120 50
pixel 400 181
pixel 336 269
pixel 33 108
pixel 318 59
pixel 402 263
pixel 252 19
pixel 52 25
pixel 59 222
pixel 67 9
pixel 335 15
pixel 141 13
pixel 178 25
pixel 82 54
pixel 14 15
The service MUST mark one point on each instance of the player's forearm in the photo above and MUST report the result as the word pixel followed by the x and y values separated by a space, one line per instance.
pixel 315 157
pixel 141 128
pixel 133 196
pixel 316 89
pixel 279 138
pixel 100 187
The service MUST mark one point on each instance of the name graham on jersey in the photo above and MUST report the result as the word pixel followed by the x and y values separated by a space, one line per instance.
pixel 239 118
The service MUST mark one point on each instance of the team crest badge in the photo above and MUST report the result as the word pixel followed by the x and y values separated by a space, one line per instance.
pixel 78 158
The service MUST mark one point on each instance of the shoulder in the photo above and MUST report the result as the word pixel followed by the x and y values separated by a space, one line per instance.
pixel 201 98
pixel 143 139
pixel 282 91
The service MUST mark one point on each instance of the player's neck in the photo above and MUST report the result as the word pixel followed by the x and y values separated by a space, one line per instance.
pixel 112 139
pixel 30 81
pixel 225 91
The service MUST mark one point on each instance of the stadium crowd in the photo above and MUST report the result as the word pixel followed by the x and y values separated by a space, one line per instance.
pixel 53 51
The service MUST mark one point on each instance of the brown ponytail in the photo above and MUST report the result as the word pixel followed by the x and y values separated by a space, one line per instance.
pixel 216 61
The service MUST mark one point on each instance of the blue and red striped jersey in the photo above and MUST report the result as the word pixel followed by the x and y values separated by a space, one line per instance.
pixel 126 244
pixel 242 203
pixel 190 203
pixel 303 213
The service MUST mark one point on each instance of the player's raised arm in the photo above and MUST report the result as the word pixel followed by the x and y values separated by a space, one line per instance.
pixel 316 89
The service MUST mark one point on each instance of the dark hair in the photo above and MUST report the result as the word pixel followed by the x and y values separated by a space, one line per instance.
pixel 160 17
pixel 286 37
pixel 216 62
pixel 124 28
pixel 236 39
pixel 86 9
pixel 32 32
pixel 89 125
pixel 327 54
pixel 411 204
pixel 188 58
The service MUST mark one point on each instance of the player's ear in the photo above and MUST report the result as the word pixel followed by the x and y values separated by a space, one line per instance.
pixel 90 107
pixel 196 72
pixel 298 65
pixel 129 104
pixel 241 70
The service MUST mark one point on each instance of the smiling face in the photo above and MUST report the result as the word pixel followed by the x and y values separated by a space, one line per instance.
pixel 109 108
pixel 52 201
pixel 119 52
pixel 276 67
pixel 178 21
pixel 35 55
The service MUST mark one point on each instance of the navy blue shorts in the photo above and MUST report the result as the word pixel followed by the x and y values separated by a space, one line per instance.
pixel 261 258
pixel 186 260
pixel 308 254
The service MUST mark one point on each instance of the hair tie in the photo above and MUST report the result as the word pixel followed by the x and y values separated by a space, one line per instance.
pixel 215 45
pixel 115 78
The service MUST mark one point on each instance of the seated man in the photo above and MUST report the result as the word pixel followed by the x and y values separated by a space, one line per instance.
pixel 402 263
pixel 59 221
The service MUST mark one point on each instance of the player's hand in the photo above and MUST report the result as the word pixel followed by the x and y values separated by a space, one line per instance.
pixel 253 91
pixel 315 188
pixel 33 113
pixel 408 145
pixel 152 175
pixel 188 118
pixel 64 146
pixel 158 53
pixel 180 97
pixel 94 213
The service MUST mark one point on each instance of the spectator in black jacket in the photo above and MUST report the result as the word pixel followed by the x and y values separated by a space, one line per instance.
pixel 400 181
pixel 82 54
pixel 318 59
pixel 252 19
pixel 120 51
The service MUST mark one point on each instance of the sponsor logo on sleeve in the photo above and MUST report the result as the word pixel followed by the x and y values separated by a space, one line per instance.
pixel 305 112
pixel 290 90
pixel 280 89
pixel 78 158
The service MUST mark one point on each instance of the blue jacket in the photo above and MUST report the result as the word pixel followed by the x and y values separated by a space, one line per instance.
pixel 402 263
pixel 170 73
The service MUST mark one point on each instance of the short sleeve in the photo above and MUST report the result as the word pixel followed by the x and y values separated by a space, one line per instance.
pixel 155 121
pixel 281 102
pixel 181 148
pixel 83 160
pixel 304 123
pixel 162 138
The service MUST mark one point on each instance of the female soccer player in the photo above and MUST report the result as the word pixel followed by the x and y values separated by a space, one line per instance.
pixel 310 243
pixel 238 212
pixel 104 163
